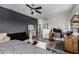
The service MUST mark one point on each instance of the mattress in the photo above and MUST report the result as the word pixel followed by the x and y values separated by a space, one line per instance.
pixel 20 47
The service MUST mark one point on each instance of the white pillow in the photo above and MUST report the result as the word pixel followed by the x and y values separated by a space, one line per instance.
pixel 2 35
pixel 6 38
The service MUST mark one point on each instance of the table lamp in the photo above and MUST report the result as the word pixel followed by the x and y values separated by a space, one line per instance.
pixel 31 28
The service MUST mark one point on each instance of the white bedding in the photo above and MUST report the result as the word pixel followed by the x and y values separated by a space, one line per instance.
pixel 20 47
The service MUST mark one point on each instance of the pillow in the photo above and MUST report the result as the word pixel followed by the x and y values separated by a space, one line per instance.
pixel 2 35
pixel 6 38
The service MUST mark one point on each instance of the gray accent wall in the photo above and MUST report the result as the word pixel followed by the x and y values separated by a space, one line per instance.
pixel 13 22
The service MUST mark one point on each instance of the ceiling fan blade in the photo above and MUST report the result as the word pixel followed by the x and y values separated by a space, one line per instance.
pixel 32 12
pixel 38 8
pixel 28 6
pixel 38 12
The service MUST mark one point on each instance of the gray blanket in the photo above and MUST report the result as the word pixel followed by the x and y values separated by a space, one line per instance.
pixel 20 47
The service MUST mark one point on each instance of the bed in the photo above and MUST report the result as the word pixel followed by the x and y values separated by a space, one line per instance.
pixel 20 47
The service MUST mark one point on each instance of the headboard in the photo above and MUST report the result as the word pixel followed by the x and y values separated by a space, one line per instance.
pixel 18 36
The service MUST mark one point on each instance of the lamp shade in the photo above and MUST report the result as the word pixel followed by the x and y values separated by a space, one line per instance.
pixel 75 18
pixel 30 27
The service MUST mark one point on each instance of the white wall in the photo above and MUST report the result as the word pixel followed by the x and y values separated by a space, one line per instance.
pixel 75 9
pixel 60 21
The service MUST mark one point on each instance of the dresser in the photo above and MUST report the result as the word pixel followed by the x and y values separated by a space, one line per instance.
pixel 71 43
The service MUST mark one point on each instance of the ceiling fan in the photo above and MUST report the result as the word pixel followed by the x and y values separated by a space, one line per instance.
pixel 34 9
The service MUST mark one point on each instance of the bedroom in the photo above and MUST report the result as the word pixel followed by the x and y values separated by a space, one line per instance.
pixel 16 20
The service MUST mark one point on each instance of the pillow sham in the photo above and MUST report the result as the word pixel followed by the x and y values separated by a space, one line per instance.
pixel 2 35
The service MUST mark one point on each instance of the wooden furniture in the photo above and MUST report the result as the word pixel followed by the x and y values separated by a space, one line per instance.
pixel 50 35
pixel 71 43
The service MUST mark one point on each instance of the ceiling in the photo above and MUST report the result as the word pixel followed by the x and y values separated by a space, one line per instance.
pixel 48 10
